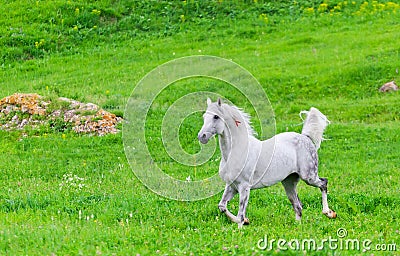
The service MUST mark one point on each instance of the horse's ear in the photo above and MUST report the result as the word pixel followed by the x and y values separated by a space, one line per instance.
pixel 219 101
pixel 208 101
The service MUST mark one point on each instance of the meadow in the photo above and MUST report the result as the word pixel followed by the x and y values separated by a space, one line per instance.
pixel 333 55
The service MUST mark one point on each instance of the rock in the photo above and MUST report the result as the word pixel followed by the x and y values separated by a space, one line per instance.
pixel 90 107
pixel 56 113
pixel 23 123
pixel 390 86
pixel 14 119
pixel 8 109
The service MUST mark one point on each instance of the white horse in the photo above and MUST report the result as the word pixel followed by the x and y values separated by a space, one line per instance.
pixel 248 163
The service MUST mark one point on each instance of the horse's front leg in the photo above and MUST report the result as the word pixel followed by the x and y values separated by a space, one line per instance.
pixel 229 193
pixel 244 194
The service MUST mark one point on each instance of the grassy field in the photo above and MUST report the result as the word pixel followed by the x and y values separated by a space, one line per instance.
pixel 332 55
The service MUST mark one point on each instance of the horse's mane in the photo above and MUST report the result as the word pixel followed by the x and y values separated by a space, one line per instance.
pixel 234 111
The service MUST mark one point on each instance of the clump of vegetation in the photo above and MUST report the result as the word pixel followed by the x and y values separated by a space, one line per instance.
pixel 49 114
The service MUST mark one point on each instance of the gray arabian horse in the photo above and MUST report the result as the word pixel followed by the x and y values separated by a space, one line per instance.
pixel 248 163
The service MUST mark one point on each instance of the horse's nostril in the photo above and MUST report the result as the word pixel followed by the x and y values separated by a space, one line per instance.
pixel 202 137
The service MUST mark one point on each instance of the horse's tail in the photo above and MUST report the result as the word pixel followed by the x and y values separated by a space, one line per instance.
pixel 314 125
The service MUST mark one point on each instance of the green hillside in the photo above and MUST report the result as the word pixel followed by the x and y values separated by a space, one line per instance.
pixel 333 55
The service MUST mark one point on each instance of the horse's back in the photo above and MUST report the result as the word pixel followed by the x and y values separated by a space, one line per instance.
pixel 282 155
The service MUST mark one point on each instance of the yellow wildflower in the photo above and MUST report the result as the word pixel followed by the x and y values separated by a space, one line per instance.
pixel 264 17
pixel 309 10
pixel 39 44
pixel 96 12
pixel 322 7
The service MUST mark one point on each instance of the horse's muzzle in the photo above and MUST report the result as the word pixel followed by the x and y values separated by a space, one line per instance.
pixel 204 137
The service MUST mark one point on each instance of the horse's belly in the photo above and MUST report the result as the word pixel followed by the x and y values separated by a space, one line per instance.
pixel 271 177
pixel 274 168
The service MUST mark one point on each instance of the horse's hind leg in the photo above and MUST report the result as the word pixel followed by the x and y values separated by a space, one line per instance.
pixel 325 208
pixel 322 184
pixel 290 183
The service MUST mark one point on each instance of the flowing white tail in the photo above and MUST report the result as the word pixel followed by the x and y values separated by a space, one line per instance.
pixel 314 125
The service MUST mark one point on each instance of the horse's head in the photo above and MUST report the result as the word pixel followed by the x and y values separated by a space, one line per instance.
pixel 213 121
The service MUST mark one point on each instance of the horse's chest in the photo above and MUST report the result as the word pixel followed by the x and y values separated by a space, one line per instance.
pixel 238 172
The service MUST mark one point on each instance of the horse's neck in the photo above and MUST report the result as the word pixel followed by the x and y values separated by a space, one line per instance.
pixel 233 139
pixel 225 146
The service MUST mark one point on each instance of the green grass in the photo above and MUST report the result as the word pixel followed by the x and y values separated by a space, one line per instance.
pixel 335 61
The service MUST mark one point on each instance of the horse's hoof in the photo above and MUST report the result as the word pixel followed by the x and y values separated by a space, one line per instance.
pixel 246 221
pixel 331 214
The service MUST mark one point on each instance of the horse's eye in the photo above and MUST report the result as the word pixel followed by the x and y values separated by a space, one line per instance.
pixel 216 117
